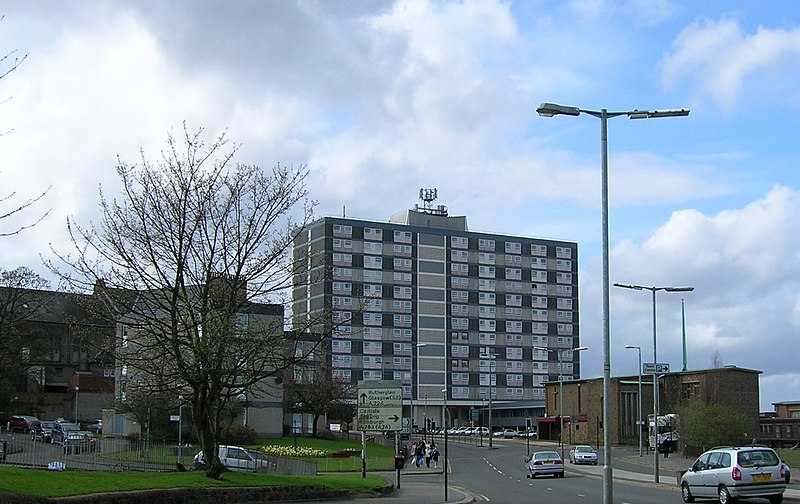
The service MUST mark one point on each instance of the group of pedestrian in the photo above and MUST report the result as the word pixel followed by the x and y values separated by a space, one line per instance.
pixel 423 453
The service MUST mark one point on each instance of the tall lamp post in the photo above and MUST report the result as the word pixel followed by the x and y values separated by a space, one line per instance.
pixel 550 110
pixel 411 402
pixel 492 368
pixel 444 421
pixel 558 352
pixel 656 395
pixel 638 396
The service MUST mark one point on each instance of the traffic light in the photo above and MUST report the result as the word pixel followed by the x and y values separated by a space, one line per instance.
pixel 528 424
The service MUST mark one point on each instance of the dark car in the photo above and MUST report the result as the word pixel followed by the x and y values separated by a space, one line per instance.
pixel 95 427
pixel 61 431
pixel 22 422
pixel 43 431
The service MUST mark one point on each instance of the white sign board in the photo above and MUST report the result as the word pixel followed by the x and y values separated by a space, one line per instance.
pixel 380 406
pixel 655 368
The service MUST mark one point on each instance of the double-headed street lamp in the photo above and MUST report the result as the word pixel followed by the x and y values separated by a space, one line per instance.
pixel 561 388
pixel 656 396
pixel 550 110
pixel 638 396
pixel 492 370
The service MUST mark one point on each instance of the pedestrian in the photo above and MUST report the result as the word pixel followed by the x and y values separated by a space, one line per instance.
pixel 414 453
pixel 428 454
pixel 435 456
pixel 420 453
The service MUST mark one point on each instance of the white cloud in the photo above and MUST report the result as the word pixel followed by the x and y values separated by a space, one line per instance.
pixel 722 58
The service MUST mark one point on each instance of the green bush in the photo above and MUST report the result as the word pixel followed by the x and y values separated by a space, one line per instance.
pixel 241 435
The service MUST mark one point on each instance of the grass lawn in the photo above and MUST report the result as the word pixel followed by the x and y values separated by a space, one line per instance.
pixel 791 457
pixel 61 484
pixel 379 457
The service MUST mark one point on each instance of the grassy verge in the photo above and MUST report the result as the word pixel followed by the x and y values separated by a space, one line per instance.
pixel 61 484
pixel 379 458
pixel 791 457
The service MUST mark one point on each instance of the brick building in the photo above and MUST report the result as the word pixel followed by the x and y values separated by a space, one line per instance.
pixel 781 428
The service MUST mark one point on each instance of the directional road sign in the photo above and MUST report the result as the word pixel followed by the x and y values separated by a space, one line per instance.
pixel 380 405
pixel 655 368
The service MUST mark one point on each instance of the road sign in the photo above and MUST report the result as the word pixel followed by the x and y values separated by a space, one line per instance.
pixel 380 405
pixel 655 368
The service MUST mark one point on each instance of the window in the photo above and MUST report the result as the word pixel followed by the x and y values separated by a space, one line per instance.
pixel 342 230
pixel 564 290
pixel 404 334
pixel 342 288
pixel 538 276
pixel 487 298
pixel 484 284
pixel 563 315
pixel 339 244
pixel 343 332
pixel 564 277
pixel 513 300
pixel 404 278
pixel 486 257
pixel 459 309
pixel 538 314
pixel 539 288
pixel 374 333
pixel 342 273
pixel 459 296
pixel 402 264
pixel 564 303
pixel 514 313
pixel 342 361
pixel 402 237
pixel 401 306
pixel 459 323
pixel 539 263
pixel 514 326
pixel 372 234
pixel 486 271
pixel 342 317
pixel 514 273
pixel 372 375
pixel 487 338
pixel 460 269
pixel 373 347
pixel 402 292
pixel 513 259
pixel 342 302
pixel 565 252
pixel 487 325
pixel 371 290
pixel 342 375
pixel 374 262
pixel 458 242
pixel 340 259
pixel 374 305
pixel 484 244
pixel 460 392
pixel 399 320
pixel 563 265
pixel 513 286
pixel 487 311
pixel 341 346
pixel 538 250
pixel 513 353
pixel 402 250
pixel 565 329
pixel 513 248
pixel 459 350
pixel 539 327
pixel 373 248
pixel 372 276
pixel 456 282
pixel 373 319
pixel 539 301
pixel 459 255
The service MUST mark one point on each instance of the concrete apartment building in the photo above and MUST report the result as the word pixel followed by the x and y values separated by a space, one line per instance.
pixel 423 300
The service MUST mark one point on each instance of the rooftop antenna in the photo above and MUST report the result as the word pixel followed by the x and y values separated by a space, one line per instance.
pixel 428 196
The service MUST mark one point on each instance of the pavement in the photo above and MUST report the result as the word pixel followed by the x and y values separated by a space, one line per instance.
pixel 628 465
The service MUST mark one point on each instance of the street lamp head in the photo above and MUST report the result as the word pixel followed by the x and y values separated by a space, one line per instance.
pixel 628 286
pixel 552 109
pixel 652 114
pixel 580 349
pixel 679 289
pixel 633 347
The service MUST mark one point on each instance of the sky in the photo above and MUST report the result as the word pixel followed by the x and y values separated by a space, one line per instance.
pixel 381 98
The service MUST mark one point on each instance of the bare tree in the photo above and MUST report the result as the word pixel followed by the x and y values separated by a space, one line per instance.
pixel 319 392
pixel 19 299
pixel 189 256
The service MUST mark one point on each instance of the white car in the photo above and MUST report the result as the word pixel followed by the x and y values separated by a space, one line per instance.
pixel 235 458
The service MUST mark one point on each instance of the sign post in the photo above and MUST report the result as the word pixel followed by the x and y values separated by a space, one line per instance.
pixel 655 368
pixel 380 409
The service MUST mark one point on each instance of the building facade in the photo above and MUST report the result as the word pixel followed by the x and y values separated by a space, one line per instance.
pixel 422 300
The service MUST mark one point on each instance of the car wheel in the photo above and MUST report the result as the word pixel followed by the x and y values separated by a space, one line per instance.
pixel 725 496
pixel 686 494
pixel 776 499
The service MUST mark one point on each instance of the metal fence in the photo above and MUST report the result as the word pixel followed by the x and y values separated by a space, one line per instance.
pixel 120 454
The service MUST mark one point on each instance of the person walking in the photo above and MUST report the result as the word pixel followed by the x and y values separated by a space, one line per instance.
pixel 435 455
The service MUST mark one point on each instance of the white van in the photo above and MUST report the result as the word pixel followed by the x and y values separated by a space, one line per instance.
pixel 235 458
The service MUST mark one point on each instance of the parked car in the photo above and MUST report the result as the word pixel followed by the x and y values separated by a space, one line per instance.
pixel 61 431
pixel 235 458
pixel 461 431
pixel 95 427
pixel 545 462
pixel 509 433
pixel 43 431
pixel 22 423
pixel 583 454
pixel 787 472
pixel 531 434
pixel 729 473
pixel 480 431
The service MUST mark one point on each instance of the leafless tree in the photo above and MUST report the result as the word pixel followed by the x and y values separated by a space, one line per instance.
pixel 193 255
pixel 19 299
pixel 318 392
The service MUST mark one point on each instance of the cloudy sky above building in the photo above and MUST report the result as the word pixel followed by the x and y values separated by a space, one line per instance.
pixel 383 98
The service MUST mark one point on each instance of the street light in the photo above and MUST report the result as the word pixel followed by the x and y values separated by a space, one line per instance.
pixel 550 110
pixel 638 396
pixel 76 404
pixel 492 369
pixel 561 388
pixel 411 402
pixel 444 421
pixel 656 395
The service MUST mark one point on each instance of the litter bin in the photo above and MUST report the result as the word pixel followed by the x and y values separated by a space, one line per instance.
pixel 399 461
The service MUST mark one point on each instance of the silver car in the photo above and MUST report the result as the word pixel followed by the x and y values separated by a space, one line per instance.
pixel 583 454
pixel 729 473
pixel 545 462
